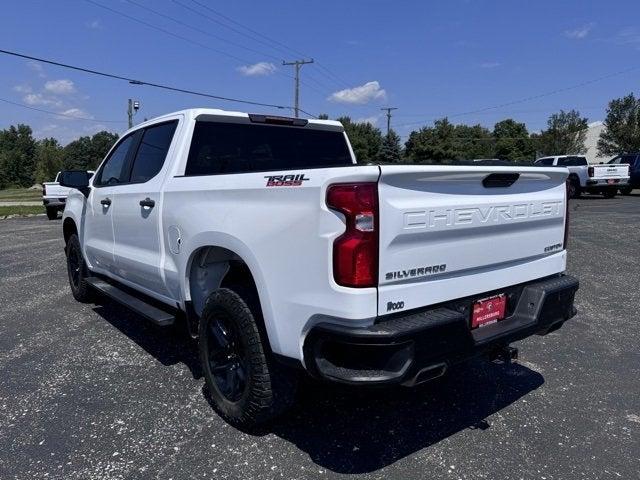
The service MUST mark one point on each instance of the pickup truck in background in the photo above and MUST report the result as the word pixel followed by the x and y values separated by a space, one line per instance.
pixel 601 179
pixel 54 196
pixel 633 160
pixel 283 256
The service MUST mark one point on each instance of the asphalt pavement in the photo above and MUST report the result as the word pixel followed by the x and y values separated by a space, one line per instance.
pixel 92 391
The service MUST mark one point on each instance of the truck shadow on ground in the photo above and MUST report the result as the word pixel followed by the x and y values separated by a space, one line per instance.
pixel 169 345
pixel 358 430
pixel 349 430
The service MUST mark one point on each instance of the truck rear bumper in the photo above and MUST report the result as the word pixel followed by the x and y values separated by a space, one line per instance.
pixel 420 345
pixel 604 183
pixel 54 202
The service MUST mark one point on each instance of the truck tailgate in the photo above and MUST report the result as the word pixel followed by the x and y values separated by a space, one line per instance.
pixel 611 171
pixel 447 232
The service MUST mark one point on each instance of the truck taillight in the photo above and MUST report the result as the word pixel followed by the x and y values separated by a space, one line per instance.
pixel 565 241
pixel 355 252
pixel 44 190
pixel 590 171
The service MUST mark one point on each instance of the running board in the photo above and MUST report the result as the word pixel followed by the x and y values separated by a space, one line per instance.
pixel 156 315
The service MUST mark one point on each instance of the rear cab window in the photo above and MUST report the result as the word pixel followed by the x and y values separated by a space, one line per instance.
pixel 221 148
pixel 572 161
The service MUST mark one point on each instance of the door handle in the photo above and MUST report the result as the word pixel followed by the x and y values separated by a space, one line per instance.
pixel 147 202
pixel 105 201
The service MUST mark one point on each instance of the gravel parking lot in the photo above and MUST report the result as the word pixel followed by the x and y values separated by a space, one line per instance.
pixel 92 391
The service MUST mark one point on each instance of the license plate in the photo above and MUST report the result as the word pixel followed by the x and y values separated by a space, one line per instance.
pixel 488 310
pixel 611 181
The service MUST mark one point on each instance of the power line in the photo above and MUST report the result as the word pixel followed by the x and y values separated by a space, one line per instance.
pixel 199 30
pixel 388 115
pixel 280 46
pixel 134 81
pixel 533 97
pixel 297 64
pixel 74 117
pixel 191 41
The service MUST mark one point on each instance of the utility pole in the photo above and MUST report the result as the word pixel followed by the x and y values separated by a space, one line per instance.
pixel 132 109
pixel 388 109
pixel 297 64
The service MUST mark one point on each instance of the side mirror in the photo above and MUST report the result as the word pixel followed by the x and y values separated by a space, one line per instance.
pixel 78 179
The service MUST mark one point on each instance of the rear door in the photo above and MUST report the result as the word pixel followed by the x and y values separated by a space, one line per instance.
pixel 448 232
pixel 137 206
pixel 98 220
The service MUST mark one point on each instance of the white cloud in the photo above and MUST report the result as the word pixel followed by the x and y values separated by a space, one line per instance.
pixel 60 87
pixel 24 88
pixel 36 67
pixel 257 69
pixel 94 25
pixel 580 32
pixel 490 64
pixel 627 36
pixel 39 99
pixel 359 95
pixel 373 120
pixel 76 113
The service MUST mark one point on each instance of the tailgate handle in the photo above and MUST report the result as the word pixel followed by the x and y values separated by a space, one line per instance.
pixel 494 180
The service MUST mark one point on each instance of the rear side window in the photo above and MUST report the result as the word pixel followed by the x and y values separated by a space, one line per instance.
pixel 219 148
pixel 112 171
pixel 152 151
pixel 546 162
pixel 629 159
pixel 572 161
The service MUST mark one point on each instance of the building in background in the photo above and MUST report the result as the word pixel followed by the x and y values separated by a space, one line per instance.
pixel 591 142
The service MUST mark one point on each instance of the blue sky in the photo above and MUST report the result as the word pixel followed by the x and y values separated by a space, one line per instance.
pixel 428 58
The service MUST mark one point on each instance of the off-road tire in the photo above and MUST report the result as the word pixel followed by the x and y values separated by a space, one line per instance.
pixel 270 387
pixel 626 190
pixel 52 213
pixel 77 271
pixel 574 188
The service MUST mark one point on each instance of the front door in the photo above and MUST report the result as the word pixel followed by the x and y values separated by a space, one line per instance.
pixel 138 247
pixel 98 219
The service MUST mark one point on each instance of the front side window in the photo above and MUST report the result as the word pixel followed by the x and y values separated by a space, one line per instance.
pixel 112 171
pixel 152 151
pixel 219 148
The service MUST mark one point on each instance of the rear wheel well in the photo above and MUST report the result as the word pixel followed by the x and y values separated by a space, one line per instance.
pixel 68 229
pixel 216 267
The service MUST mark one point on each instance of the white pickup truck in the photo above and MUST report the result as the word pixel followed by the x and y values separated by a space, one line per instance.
pixel 603 179
pixel 54 196
pixel 282 255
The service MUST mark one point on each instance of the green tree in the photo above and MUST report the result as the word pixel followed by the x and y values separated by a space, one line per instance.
pixel 17 156
pixel 86 153
pixel 565 134
pixel 366 140
pixel 48 159
pixel 512 141
pixel 323 116
pixel 101 143
pixel 622 127
pixel 390 151
pixel 445 141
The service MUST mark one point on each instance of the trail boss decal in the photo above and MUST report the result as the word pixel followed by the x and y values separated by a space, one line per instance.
pixel 294 180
